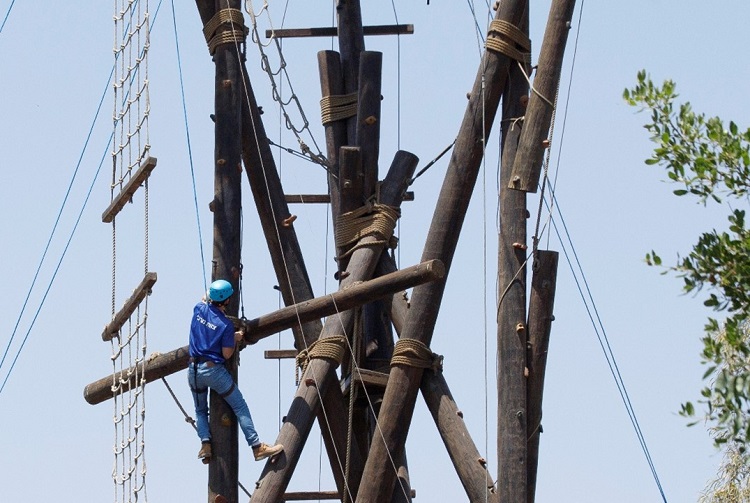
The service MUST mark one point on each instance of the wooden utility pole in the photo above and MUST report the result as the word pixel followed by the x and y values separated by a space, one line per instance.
pixel 511 316
pixel 226 207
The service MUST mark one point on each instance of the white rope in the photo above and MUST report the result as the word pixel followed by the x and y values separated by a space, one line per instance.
pixel 131 148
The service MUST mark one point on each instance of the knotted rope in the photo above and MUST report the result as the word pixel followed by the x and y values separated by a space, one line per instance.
pixel 414 353
pixel 505 38
pixel 338 106
pixel 328 347
pixel 373 219
pixel 237 31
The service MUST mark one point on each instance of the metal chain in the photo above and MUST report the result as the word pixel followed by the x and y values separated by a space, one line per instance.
pixel 265 65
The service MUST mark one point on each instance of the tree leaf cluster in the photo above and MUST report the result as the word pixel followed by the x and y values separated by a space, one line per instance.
pixel 709 160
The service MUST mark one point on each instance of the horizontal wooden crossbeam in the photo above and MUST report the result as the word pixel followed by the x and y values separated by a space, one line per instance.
pixel 126 194
pixel 140 292
pixel 391 29
pixel 319 495
pixel 356 295
pixel 279 354
pixel 368 377
pixel 325 198
pixel 311 496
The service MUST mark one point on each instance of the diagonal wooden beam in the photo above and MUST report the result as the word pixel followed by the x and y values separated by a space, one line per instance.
pixel 470 467
pixel 320 374
pixel 398 402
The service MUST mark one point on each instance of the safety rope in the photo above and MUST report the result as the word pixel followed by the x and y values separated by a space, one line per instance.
pixel 191 422
pixel 327 347
pixel 354 355
pixel 504 37
pixel 373 219
pixel 338 107
pixel 414 353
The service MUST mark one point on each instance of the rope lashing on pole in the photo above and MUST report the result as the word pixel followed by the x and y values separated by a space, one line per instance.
pixel 328 347
pixel 414 353
pixel 236 33
pixel 337 107
pixel 373 219
pixel 505 38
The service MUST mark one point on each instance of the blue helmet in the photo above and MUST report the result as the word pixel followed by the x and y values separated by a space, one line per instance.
pixel 220 290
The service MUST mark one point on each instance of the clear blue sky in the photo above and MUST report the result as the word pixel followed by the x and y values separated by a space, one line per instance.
pixel 55 62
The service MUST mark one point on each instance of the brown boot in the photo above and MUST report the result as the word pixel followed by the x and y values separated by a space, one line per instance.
pixel 205 453
pixel 263 451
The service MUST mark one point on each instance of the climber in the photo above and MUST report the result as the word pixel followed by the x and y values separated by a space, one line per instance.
pixel 212 342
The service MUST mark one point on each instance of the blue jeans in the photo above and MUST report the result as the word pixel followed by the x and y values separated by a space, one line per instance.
pixel 200 378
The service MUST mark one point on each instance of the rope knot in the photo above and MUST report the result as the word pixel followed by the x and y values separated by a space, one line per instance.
pixel 337 107
pixel 328 347
pixel 414 353
pixel 236 33
pixel 372 219
pixel 508 39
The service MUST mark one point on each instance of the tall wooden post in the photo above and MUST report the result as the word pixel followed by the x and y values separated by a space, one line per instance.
pixel 226 206
pixel 543 285
pixel 351 44
pixel 528 163
pixel 511 318
pixel 396 411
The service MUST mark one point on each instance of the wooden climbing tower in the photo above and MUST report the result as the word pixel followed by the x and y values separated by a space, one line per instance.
pixel 362 369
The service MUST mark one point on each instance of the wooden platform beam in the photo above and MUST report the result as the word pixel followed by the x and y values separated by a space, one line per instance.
pixel 127 192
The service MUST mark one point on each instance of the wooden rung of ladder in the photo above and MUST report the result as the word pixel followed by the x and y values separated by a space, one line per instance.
pixel 126 194
pixel 114 326
pixel 325 198
pixel 390 29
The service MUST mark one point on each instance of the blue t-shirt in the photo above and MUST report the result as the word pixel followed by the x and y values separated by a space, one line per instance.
pixel 210 330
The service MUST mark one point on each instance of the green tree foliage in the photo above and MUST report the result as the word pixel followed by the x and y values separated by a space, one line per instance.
pixel 710 160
